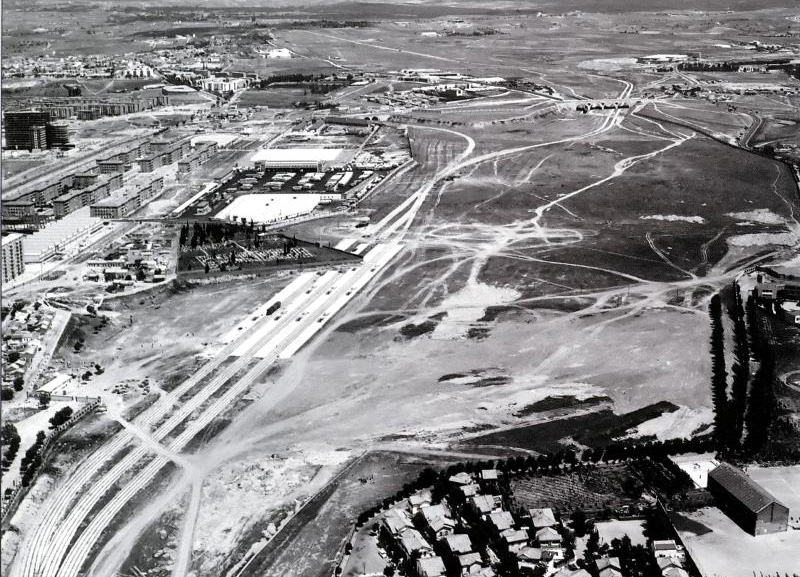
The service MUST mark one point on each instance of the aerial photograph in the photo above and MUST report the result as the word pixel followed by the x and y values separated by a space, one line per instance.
pixel 410 288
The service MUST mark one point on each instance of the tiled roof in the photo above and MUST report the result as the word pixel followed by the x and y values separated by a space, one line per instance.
pixel 459 543
pixel 743 488
pixel 542 518
pixel 430 567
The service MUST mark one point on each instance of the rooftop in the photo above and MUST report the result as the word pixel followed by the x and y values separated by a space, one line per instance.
pixel 742 487
pixel 8 238
pixel 459 543
pixel 543 518
pixel 298 155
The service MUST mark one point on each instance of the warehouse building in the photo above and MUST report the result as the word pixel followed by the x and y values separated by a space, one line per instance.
pixel 13 262
pixel 317 159
pixel 751 506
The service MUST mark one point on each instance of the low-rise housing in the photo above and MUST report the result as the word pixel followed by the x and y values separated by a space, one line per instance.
pixel 541 518
pixel 501 521
pixel 430 567
pixel 515 539
pixel 437 520
pixel 458 544
pixel 548 537
pixel 412 542
pixel 608 567
pixel 484 504
pixel 470 564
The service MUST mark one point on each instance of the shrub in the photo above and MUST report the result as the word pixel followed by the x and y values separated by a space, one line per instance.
pixel 61 417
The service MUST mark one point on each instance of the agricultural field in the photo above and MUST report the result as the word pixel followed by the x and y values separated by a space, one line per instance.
pixel 592 490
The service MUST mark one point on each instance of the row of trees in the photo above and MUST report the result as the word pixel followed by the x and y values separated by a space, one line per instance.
pixel 32 460
pixel 742 419
pixel 719 375
pixel 741 367
pixel 761 400
pixel 10 443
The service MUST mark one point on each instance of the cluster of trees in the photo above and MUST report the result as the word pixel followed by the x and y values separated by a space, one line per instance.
pixel 13 309
pixel 32 460
pixel 10 443
pixel 61 417
pixel 634 560
pixel 295 77
pixel 203 233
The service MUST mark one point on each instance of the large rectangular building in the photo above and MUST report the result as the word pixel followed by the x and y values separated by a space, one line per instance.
pixel 13 262
pixel 300 158
pixel 751 506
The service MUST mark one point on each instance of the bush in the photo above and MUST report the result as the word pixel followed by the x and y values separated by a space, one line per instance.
pixel 19 383
pixel 13 357
pixel 7 394
pixel 61 417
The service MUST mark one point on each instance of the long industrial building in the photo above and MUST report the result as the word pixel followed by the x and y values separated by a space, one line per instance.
pixel 60 236
pixel 747 503
pixel 301 158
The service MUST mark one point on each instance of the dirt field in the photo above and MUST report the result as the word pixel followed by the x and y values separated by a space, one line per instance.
pixel 783 483
pixel 720 547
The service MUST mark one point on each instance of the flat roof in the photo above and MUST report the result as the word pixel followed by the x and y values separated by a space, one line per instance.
pixel 221 138
pixel 298 155
pixel 263 208
pixel 11 237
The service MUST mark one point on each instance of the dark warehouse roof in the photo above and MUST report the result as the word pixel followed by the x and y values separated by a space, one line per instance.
pixel 742 487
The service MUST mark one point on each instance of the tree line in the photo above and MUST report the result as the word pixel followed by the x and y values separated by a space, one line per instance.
pixel 741 419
